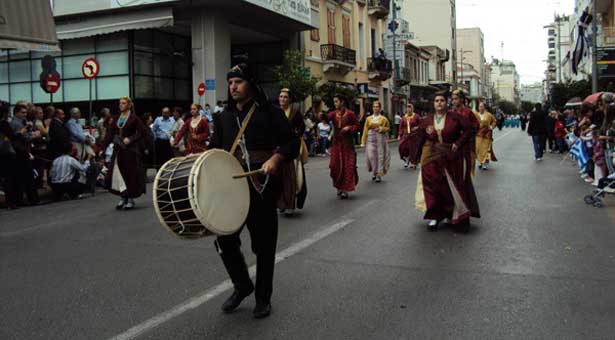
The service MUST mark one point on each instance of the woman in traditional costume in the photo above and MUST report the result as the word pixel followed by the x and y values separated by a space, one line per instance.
pixel 460 105
pixel 484 137
pixel 127 171
pixel 294 188
pixel 375 139
pixel 407 136
pixel 343 162
pixel 444 189
pixel 198 132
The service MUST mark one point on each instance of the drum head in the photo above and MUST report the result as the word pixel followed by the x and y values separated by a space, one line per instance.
pixel 220 202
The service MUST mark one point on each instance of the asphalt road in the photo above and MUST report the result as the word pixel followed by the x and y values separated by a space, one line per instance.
pixel 539 264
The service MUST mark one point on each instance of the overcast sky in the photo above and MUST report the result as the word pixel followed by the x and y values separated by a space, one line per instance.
pixel 517 23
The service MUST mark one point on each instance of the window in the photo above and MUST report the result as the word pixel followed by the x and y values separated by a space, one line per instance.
pixel 373 41
pixel 361 41
pixel 331 26
pixel 346 30
pixel 315 34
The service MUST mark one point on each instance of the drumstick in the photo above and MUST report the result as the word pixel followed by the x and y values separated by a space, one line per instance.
pixel 249 173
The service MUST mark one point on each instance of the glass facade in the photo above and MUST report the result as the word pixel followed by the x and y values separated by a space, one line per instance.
pixel 160 64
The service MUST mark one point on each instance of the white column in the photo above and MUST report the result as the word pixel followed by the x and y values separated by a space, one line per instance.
pixel 211 54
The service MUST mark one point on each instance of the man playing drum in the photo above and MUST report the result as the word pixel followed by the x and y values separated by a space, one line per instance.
pixel 268 141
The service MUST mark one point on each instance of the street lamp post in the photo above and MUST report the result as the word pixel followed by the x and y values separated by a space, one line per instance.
pixel 594 49
pixel 462 54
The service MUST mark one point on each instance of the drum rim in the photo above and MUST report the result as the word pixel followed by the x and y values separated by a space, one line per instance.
pixel 194 202
pixel 162 221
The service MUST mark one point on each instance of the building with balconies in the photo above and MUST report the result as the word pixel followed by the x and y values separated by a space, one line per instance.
pixel 347 49
pixel 560 44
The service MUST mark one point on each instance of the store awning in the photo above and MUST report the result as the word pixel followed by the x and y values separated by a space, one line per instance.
pixel 115 22
pixel 27 25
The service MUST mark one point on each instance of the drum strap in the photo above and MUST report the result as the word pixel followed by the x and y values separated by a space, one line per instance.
pixel 242 129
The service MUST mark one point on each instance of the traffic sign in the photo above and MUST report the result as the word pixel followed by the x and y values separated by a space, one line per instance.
pixel 90 68
pixel 400 36
pixel 52 83
pixel 201 89
pixel 210 84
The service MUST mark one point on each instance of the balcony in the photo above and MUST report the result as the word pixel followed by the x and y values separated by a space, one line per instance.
pixel 378 8
pixel 405 76
pixel 361 2
pixel 379 69
pixel 337 58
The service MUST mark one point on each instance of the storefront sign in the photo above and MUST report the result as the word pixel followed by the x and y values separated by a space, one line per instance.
pixel 606 62
pixel 295 9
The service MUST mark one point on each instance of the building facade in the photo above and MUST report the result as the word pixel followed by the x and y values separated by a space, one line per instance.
pixel 471 50
pixel 505 80
pixel 434 22
pixel 559 67
pixel 157 51
pixel 344 49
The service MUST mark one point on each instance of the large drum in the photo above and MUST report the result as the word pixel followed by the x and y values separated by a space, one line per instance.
pixel 197 196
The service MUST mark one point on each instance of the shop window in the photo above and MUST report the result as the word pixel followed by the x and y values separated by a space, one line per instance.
pixel 144 63
pixel 40 96
pixel 21 92
pixel 144 41
pixel 19 55
pixel 4 55
pixel 112 42
pixel 38 55
pixel 163 66
pixel 78 46
pixel 112 87
pixel 144 87
pixel 4 72
pixel 78 90
pixel 183 90
pixel 163 43
pixel 72 66
pixel 113 63
pixel 4 92
pixel 19 71
pixel 181 69
pixel 163 88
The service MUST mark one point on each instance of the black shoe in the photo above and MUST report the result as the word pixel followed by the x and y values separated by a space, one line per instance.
pixel 463 226
pixel 235 300
pixel 262 310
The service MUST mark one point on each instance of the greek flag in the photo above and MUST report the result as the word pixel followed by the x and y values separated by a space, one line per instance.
pixel 580 153
pixel 580 51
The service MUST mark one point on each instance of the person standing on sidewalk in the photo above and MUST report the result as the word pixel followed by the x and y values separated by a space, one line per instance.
pixel 343 162
pixel 537 129
pixel 375 140
pixel 162 132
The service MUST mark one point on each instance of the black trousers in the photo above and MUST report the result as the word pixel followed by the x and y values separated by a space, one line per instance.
pixel 73 189
pixel 262 224
pixel 25 180
pixel 163 151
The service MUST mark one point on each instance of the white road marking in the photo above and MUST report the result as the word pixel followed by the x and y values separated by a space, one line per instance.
pixel 211 293
pixel 504 135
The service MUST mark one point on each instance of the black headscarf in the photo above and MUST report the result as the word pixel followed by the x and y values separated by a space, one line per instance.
pixel 246 73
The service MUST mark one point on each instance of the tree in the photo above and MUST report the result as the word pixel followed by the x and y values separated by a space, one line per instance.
pixel 294 76
pixel 507 106
pixel 562 93
pixel 328 90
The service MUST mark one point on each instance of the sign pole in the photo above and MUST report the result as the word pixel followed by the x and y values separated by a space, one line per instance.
pixel 90 114
pixel 51 98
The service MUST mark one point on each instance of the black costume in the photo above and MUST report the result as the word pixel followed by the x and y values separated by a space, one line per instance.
pixel 268 132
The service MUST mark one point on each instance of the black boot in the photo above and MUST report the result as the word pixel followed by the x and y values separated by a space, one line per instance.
pixel 262 309
pixel 235 300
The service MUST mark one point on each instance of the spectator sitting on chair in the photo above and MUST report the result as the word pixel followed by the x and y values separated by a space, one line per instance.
pixel 68 175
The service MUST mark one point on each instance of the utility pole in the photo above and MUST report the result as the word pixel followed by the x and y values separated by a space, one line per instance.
pixel 594 49
pixel 559 49
pixel 395 64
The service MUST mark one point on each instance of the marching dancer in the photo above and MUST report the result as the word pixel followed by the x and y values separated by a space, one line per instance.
pixel 294 188
pixel 375 140
pixel 484 137
pixel 460 107
pixel 407 136
pixel 444 189
pixel 197 129
pixel 343 162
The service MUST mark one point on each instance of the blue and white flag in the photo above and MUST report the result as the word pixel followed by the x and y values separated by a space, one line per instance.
pixel 579 151
pixel 579 50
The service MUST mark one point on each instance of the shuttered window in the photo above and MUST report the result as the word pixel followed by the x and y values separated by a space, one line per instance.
pixel 346 30
pixel 315 34
pixel 331 26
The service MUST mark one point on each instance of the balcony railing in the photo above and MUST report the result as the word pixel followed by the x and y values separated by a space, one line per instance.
pixel 379 8
pixel 332 52
pixel 379 65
